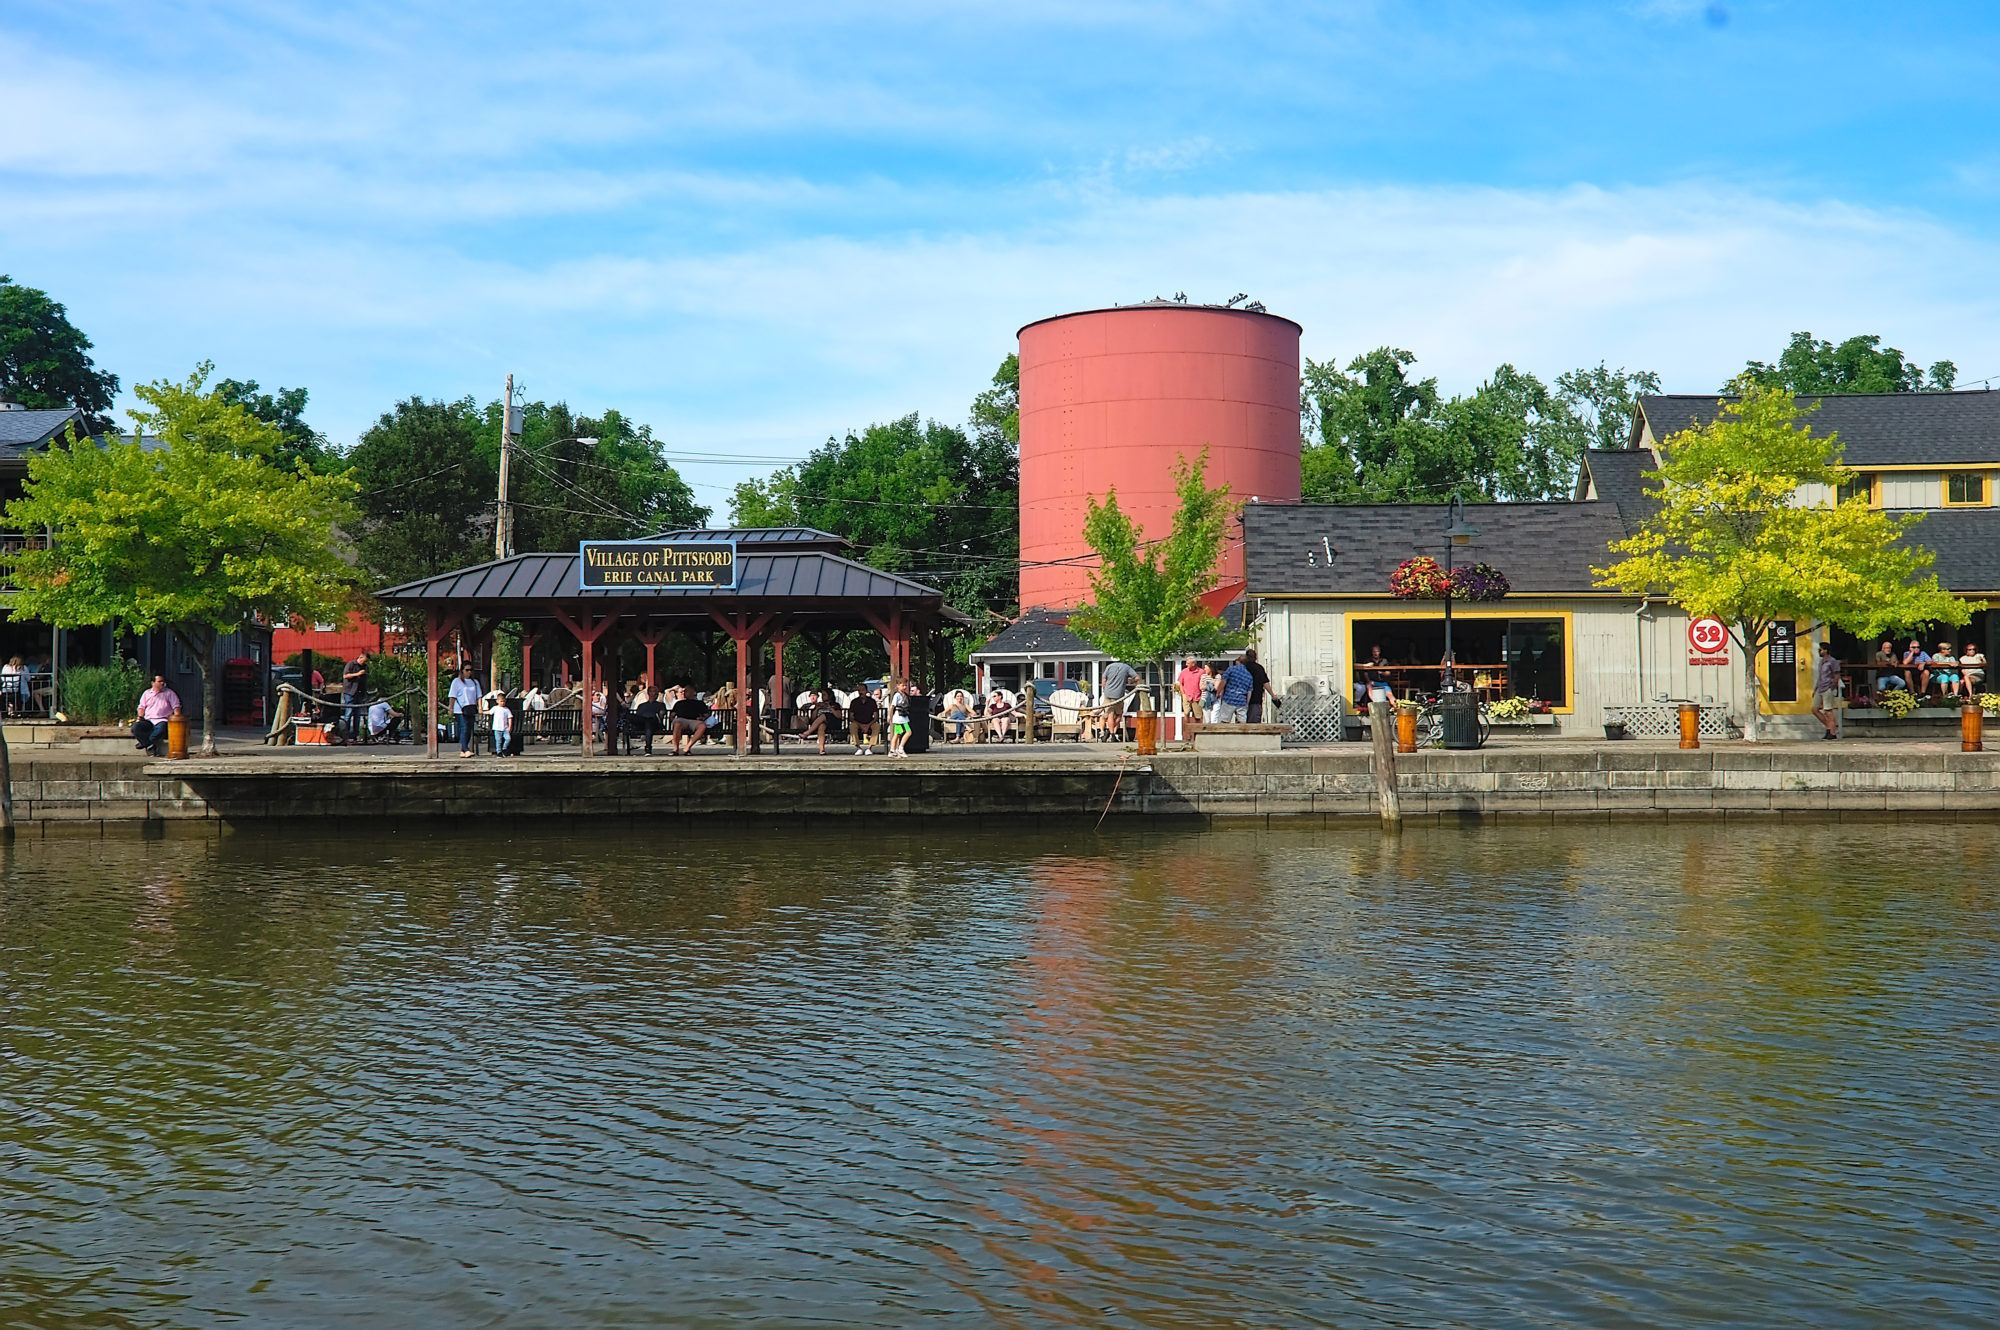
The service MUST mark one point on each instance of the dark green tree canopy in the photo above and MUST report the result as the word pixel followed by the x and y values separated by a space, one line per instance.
pixel 44 359
pixel 580 478
pixel 1858 365
pixel 284 411
pixel 1374 435
pixel 426 491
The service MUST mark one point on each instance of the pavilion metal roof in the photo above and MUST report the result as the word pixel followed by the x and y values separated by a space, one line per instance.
pixel 770 537
pixel 535 580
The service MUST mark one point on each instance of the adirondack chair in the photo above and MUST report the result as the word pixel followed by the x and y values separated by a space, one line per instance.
pixel 1066 714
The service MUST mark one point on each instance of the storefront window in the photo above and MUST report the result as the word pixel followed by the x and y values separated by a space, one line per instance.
pixel 1525 657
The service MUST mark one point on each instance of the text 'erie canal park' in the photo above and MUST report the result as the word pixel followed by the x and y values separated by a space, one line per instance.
pixel 1244 831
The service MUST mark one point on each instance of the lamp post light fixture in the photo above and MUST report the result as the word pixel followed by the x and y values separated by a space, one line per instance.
pixel 1457 532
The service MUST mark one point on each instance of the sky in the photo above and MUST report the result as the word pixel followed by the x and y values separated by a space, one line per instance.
pixel 752 227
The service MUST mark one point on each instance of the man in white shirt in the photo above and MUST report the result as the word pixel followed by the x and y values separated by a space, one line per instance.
pixel 465 695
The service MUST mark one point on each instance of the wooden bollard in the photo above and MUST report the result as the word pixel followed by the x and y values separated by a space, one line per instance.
pixel 1690 725
pixel 1972 729
pixel 1382 730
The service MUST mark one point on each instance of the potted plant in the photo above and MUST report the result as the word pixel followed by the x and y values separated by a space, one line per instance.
pixel 1897 703
pixel 1614 729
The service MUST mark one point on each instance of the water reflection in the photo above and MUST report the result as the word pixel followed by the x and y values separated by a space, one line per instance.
pixel 1668 1076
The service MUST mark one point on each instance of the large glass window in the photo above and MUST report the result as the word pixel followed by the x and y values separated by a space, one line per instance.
pixel 1525 657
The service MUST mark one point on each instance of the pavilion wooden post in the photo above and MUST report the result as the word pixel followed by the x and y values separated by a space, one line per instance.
pixel 440 626
pixel 586 629
pixel 897 635
pixel 742 630
pixel 652 637
pixel 529 640
pixel 779 704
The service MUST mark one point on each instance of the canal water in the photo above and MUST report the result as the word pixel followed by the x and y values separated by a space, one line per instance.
pixel 1640 1077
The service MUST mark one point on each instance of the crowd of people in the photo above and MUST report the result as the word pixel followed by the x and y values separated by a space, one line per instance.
pixel 1231 694
pixel 1953 673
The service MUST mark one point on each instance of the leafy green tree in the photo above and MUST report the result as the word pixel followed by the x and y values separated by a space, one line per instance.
pixel 996 413
pixel 284 411
pixel 1602 400
pixel 1858 365
pixel 426 491
pixel 1729 540
pixel 580 478
pixel 1374 435
pixel 1145 606
pixel 45 362
pixel 199 536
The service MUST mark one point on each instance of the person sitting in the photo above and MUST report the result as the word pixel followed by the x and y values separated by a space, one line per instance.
pixel 1944 672
pixel 1886 677
pixel 999 717
pixel 864 720
pixel 1972 668
pixel 156 705
pixel 649 716
pixel 816 718
pixel 385 723
pixel 1375 679
pixel 957 716
pixel 688 719
pixel 1917 668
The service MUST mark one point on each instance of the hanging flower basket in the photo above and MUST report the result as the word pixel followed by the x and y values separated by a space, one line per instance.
pixel 1419 579
pixel 1482 581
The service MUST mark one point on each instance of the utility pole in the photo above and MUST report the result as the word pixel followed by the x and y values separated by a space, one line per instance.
pixel 510 429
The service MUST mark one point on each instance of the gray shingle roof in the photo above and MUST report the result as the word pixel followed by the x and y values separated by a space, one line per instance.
pixel 1619 477
pixel 1967 544
pixel 23 431
pixel 1038 633
pixel 1876 429
pixel 1544 548
pixel 534 579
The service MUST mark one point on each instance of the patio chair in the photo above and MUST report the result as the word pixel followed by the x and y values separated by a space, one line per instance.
pixel 1066 714
pixel 955 730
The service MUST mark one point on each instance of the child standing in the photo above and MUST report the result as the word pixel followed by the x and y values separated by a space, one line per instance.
pixel 899 719
pixel 503 726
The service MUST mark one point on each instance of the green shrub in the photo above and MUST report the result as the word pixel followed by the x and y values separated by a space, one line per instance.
pixel 101 695
pixel 1897 702
pixel 1509 708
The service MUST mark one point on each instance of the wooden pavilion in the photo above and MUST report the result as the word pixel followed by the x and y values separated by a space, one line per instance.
pixel 758 585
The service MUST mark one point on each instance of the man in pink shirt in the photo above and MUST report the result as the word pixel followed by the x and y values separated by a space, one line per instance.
pixel 156 704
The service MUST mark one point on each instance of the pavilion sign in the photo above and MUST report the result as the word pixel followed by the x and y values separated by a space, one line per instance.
pixel 655 565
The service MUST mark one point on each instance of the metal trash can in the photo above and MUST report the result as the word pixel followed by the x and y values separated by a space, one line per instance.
pixel 1459 713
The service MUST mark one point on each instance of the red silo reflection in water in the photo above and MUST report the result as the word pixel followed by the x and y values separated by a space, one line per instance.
pixel 1114 397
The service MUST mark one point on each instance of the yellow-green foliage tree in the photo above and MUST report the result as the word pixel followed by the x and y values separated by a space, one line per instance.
pixel 1731 540
pixel 198 535
pixel 1146 598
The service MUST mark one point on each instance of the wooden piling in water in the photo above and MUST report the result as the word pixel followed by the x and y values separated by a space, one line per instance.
pixel 1382 729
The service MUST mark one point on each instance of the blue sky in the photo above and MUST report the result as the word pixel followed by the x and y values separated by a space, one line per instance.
pixel 757 227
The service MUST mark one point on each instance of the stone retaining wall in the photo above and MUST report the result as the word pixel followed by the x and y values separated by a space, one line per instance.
pixel 1604 781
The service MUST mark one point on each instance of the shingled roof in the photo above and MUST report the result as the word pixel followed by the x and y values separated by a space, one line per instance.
pixel 1544 548
pixel 23 432
pixel 1037 633
pixel 1876 429
pixel 1967 544
pixel 1617 475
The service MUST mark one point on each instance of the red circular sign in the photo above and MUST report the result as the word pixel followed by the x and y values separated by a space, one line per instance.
pixel 1707 636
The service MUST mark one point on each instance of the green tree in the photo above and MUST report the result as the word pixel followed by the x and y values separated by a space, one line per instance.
pixel 1729 540
pixel 996 413
pixel 579 478
pixel 1145 605
pixel 45 362
pixel 200 535
pixel 1857 365
pixel 1374 435
pixel 426 491
pixel 284 411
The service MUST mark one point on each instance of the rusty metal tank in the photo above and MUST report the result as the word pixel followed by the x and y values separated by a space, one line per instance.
pixel 1115 397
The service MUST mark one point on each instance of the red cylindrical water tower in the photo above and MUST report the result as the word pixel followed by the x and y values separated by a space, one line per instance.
pixel 1115 397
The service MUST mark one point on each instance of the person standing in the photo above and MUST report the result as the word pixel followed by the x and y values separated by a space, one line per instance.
pixel 899 719
pixel 1260 686
pixel 156 705
pixel 1234 700
pixel 354 696
pixel 1211 690
pixel 1826 691
pixel 503 727
pixel 465 694
pixel 1188 681
pixel 1117 680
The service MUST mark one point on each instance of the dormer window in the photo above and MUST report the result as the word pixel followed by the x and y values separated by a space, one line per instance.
pixel 1861 487
pixel 1965 489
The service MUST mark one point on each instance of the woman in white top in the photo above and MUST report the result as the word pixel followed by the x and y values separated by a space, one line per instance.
pixel 1972 665
pixel 11 675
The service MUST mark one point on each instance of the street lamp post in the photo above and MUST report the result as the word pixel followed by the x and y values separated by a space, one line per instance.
pixel 1457 532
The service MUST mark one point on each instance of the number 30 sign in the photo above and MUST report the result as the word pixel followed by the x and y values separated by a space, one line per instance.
pixel 1708 642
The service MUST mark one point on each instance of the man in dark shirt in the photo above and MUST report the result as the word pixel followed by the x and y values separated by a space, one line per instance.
pixel 689 717
pixel 651 715
pixel 863 719
pixel 1260 686
pixel 354 697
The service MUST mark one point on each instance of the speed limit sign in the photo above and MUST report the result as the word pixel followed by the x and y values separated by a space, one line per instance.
pixel 1708 642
